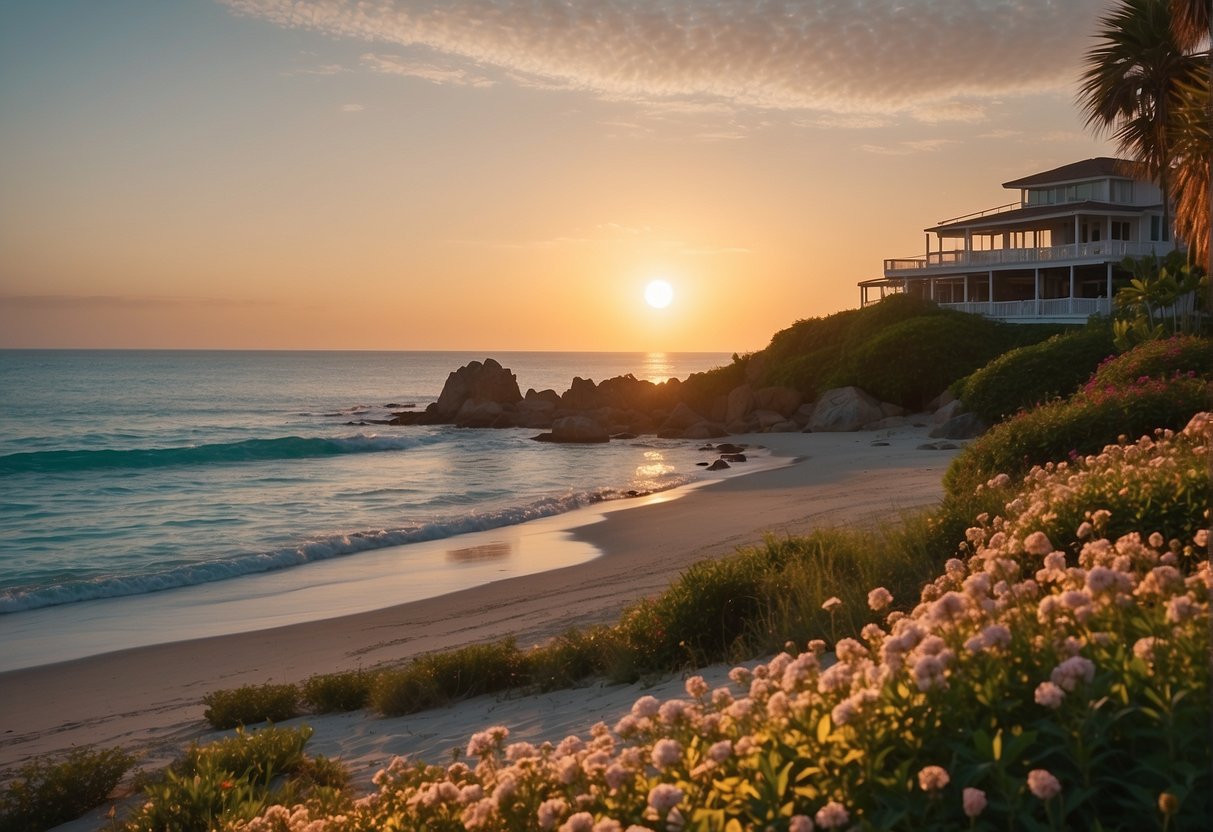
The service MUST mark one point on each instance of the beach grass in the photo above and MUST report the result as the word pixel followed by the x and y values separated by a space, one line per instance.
pixel 46 793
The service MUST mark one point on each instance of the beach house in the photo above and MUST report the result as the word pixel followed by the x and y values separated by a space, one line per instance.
pixel 1049 257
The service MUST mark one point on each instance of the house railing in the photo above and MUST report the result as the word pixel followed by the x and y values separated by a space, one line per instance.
pixel 1043 308
pixel 1102 250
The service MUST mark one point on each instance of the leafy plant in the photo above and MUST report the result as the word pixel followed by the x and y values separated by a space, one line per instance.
pixel 347 691
pixel 1033 374
pixel 1162 299
pixel 251 704
pixel 48 793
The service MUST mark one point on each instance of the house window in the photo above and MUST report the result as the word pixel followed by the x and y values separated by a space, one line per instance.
pixel 1120 230
pixel 1157 230
pixel 1122 191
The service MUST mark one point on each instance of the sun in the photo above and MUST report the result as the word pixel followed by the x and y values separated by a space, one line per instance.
pixel 658 294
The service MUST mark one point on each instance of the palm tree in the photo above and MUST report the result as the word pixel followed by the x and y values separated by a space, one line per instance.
pixel 1192 22
pixel 1133 86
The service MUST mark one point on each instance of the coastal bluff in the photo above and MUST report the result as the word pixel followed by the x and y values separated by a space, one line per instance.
pixel 484 394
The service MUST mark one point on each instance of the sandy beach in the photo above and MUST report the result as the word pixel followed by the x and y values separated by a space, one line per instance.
pixel 149 699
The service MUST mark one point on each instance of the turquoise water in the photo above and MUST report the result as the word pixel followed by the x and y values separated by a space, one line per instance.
pixel 127 474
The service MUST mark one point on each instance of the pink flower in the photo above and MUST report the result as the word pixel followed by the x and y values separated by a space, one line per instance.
pixel 832 815
pixel 580 822
pixel 1049 695
pixel 551 811
pixel 974 802
pixel 666 752
pixel 933 778
pixel 696 687
pixel 646 706
pixel 720 751
pixel 800 823
pixel 1042 784
pixel 665 796
pixel 831 603
pixel 1073 670
pixel 1037 543
pixel 879 598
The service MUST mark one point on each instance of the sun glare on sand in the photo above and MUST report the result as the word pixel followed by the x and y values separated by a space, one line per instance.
pixel 658 294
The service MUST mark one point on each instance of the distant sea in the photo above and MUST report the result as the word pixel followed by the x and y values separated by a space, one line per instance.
pixel 139 475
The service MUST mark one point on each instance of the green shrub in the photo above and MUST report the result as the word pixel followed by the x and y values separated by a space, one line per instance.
pixel 573 656
pixel 439 678
pixel 912 362
pixel 1078 426
pixel 1033 374
pixel 231 780
pixel 332 692
pixel 251 704
pixel 48 793
pixel 1156 359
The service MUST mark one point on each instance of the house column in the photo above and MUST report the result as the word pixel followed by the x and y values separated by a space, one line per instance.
pixel 966 290
pixel 1076 230
pixel 931 283
pixel 1071 304
pixel 1036 290
pixel 990 300
pixel 1109 293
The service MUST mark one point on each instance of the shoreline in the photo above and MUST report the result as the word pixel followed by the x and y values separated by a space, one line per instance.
pixel 149 698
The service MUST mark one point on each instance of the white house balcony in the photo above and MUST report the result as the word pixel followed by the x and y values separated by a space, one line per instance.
pixel 1052 310
pixel 1072 253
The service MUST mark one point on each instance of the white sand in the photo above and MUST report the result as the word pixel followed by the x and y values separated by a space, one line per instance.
pixel 148 699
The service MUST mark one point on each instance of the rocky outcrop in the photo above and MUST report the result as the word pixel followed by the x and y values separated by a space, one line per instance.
pixel 480 382
pixel 844 409
pixel 575 429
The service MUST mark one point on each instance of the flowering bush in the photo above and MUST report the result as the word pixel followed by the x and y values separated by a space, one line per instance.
pixel 1182 354
pixel 1054 677
pixel 1080 425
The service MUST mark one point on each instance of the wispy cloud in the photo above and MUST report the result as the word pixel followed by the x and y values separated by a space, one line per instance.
pixel 926 59
pixel 908 148
pixel 609 233
pixel 352 108
pixel 426 71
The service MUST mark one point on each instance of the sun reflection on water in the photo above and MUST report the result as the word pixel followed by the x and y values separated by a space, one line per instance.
pixel 656 367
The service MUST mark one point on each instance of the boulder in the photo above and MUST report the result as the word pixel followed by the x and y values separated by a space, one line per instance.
pixel 705 430
pixel 889 409
pixel 575 429
pixel 944 398
pixel 947 411
pixel 581 395
pixel 741 402
pixel 844 409
pixel 719 465
pixel 767 419
pixel 782 400
pixel 681 418
pixel 477 413
pixel 964 426
pixel 488 382
pixel 888 423
pixel 787 426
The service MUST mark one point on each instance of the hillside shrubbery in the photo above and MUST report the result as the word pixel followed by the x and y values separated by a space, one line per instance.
pixel 1033 374
pixel 1152 386
pixel 902 350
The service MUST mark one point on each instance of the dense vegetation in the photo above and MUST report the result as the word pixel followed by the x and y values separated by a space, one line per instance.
pixel 902 350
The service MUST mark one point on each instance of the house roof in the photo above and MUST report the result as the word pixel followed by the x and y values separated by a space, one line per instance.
pixel 1100 167
pixel 1019 216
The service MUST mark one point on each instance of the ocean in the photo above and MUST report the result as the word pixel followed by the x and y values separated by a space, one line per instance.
pixel 160 495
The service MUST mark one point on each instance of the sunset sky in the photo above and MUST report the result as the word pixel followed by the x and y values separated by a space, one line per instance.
pixel 501 174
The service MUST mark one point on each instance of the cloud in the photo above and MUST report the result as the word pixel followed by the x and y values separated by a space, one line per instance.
pixel 352 108
pixel 426 71
pixel 909 147
pixel 920 58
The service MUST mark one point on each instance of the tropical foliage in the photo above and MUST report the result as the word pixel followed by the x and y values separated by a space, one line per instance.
pixel 1161 299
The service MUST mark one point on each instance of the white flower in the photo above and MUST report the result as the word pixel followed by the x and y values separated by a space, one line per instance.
pixel 1073 670
pixel 1037 543
pixel 646 706
pixel 831 603
pixel 696 687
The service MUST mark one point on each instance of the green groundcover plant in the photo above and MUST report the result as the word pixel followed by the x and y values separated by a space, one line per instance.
pixel 1053 677
pixel 47 793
